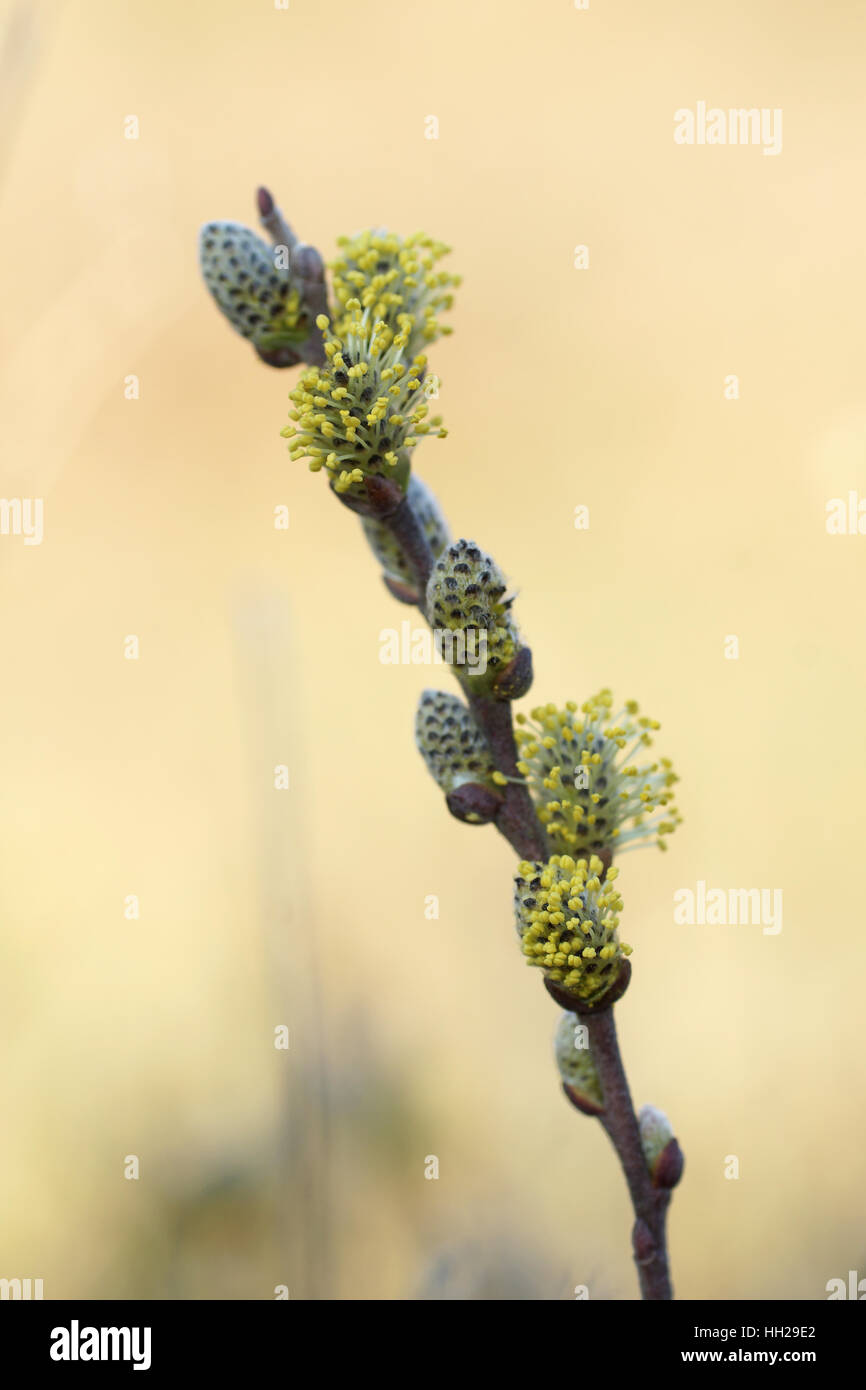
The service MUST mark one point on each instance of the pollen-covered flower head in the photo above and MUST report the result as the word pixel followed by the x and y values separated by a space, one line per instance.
pixel 395 567
pixel 592 788
pixel 361 414
pixel 466 594
pixel 567 918
pixel 457 756
pixel 392 276
pixel 251 287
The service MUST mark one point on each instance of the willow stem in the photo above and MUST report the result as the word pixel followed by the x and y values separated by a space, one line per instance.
pixel 517 819
pixel 518 823
pixel 409 535
pixel 620 1123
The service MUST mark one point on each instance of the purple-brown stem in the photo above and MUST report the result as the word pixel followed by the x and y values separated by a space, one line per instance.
pixel 620 1123
pixel 516 819
pixel 273 221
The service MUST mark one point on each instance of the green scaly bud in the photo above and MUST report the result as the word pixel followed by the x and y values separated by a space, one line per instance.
pixel 252 287
pixel 457 756
pixel 466 595
pixel 576 1067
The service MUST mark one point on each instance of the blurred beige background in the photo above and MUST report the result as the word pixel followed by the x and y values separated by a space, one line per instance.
pixel 602 387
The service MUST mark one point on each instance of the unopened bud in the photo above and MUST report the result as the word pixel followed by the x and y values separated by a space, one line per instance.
pixel 576 1067
pixel 466 594
pixel 253 289
pixel 457 756
pixel 662 1152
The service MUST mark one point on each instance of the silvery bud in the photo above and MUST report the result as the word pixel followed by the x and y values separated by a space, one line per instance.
pixel 576 1067
pixel 466 595
pixel 662 1152
pixel 457 756
pixel 251 284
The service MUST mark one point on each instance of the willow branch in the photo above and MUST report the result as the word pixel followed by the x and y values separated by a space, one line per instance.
pixel 620 1123
pixel 517 820
pixel 518 823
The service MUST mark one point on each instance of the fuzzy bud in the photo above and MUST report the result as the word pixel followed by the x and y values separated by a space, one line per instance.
pixel 466 597
pixel 662 1152
pixel 253 289
pixel 457 756
pixel 576 1067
